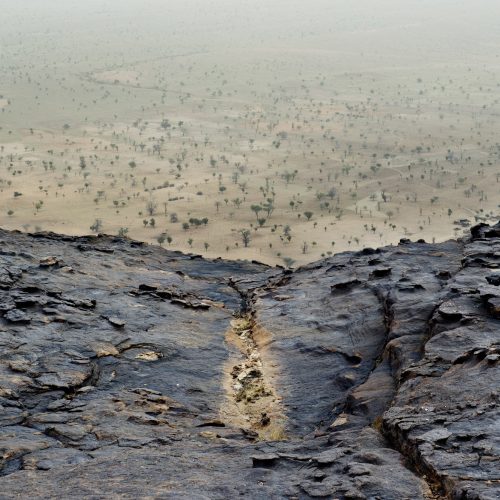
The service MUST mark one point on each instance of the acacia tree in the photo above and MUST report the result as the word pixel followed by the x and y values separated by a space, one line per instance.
pixel 96 226
pixel 256 209
pixel 151 206
pixel 245 237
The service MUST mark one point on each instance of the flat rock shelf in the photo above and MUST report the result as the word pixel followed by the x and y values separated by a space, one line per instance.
pixel 130 371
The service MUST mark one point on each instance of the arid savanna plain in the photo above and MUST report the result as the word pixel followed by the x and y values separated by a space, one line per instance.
pixel 273 131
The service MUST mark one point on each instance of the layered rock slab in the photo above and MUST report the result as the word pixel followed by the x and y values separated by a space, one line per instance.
pixel 117 372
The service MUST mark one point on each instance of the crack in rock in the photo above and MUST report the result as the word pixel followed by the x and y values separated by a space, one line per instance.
pixel 252 402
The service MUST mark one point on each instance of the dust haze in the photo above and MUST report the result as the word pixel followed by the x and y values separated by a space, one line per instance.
pixel 277 131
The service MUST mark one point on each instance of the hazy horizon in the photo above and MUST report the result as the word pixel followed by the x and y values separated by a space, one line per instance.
pixel 391 104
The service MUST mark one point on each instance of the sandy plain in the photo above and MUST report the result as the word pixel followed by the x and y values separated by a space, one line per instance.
pixel 333 129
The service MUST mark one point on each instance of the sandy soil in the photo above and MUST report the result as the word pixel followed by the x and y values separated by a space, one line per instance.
pixel 371 138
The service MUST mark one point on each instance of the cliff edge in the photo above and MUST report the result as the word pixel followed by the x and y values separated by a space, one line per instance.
pixel 131 371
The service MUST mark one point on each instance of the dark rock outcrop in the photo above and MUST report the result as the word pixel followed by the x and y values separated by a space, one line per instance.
pixel 131 371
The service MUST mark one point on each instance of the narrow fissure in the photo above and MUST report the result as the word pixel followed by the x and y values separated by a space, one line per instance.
pixel 251 400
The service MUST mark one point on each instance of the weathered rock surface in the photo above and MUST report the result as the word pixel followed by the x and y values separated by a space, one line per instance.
pixel 131 371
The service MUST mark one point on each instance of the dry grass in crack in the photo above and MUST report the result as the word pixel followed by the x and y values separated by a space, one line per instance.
pixel 252 403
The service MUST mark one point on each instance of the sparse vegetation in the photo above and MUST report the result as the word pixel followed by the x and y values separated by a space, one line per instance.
pixel 209 151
